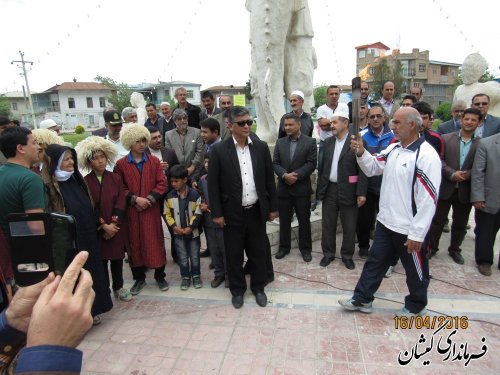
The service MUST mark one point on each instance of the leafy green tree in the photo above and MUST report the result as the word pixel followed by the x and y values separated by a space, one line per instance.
pixel 319 93
pixel 248 90
pixel 120 98
pixel 172 101
pixel 4 106
pixel 382 73
pixel 443 111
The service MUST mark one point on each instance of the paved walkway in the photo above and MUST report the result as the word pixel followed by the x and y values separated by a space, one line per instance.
pixel 302 330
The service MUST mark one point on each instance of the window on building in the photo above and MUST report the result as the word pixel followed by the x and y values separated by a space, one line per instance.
pixel 444 70
pixel 91 120
pixel 362 54
pixel 14 106
pixel 189 94
pixel 102 102
pixel 55 106
pixel 421 67
pixel 71 103
pixel 90 103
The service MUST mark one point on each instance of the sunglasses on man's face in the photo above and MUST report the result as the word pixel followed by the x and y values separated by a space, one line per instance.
pixel 244 122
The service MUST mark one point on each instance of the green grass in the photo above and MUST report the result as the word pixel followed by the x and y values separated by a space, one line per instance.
pixel 74 138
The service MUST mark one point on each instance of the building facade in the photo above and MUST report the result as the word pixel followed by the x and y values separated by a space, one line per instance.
pixel 436 78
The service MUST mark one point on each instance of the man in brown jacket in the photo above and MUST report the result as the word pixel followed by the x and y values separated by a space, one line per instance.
pixel 460 148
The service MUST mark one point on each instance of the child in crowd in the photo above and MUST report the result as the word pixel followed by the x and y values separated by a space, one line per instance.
pixel 213 233
pixel 183 215
pixel 95 153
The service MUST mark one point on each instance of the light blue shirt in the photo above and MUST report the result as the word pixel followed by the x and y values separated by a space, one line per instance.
pixel 464 148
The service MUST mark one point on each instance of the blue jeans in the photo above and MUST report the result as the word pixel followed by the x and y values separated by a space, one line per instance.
pixel 188 252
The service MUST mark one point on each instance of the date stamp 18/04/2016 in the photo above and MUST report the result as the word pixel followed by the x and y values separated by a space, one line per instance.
pixel 431 322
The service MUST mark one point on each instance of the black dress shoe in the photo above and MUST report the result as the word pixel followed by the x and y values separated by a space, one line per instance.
pixel 281 254
pixel 325 261
pixel 237 301
pixel 261 299
pixel 307 257
pixel 363 252
pixel 205 254
pixel 457 257
pixel 217 281
pixel 349 264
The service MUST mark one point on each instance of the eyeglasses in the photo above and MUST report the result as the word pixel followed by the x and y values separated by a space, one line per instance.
pixel 481 104
pixel 242 123
pixel 373 117
pixel 116 125
pixel 182 118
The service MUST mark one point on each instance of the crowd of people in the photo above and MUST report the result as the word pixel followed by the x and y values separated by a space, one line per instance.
pixel 197 171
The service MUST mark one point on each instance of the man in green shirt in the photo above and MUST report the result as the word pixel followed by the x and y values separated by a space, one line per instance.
pixel 21 190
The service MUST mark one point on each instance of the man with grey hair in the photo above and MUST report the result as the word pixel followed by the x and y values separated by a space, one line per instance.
pixel 193 112
pixel 129 115
pixel 166 111
pixel 453 125
pixel 408 196
pixel 306 123
pixel 185 140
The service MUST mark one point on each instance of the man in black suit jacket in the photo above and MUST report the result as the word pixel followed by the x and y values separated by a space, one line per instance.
pixel 342 187
pixel 242 198
pixel 295 158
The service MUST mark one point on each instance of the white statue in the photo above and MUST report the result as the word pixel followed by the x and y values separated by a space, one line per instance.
pixel 283 59
pixel 473 68
pixel 137 100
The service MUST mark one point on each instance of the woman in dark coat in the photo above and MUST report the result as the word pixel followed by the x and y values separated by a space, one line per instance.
pixel 68 193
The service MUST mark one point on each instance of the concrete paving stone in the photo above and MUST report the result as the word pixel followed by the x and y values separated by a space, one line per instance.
pixel 303 330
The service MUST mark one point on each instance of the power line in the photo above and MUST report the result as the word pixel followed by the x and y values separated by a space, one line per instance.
pixel 23 65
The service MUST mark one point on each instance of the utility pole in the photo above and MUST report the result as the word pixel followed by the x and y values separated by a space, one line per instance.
pixel 23 63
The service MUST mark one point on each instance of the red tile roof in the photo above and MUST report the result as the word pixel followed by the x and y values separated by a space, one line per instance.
pixel 378 45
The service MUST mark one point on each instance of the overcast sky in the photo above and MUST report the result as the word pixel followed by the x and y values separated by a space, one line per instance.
pixel 206 41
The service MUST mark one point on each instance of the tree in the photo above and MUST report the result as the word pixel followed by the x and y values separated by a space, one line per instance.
pixel 172 101
pixel 319 93
pixel 120 98
pixel 4 106
pixel 443 111
pixel 383 73
pixel 248 90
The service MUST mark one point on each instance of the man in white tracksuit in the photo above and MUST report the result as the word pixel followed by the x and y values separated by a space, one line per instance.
pixel 411 177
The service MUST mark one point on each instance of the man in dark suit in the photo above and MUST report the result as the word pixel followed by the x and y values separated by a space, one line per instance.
pixel 460 149
pixel 243 197
pixel 453 125
pixel 491 124
pixel 295 159
pixel 192 111
pixel 342 187
pixel 485 196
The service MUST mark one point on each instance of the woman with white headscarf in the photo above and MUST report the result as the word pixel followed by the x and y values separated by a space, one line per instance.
pixel 69 193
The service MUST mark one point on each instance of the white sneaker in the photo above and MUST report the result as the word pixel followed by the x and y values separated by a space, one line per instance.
pixel 353 305
pixel 122 294
pixel 389 271
pixel 405 312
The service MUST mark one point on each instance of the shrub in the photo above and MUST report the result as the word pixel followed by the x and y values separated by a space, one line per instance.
pixel 443 111
pixel 79 129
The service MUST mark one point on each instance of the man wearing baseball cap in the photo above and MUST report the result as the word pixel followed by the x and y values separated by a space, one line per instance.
pixel 296 102
pixel 50 125
pixel 113 123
